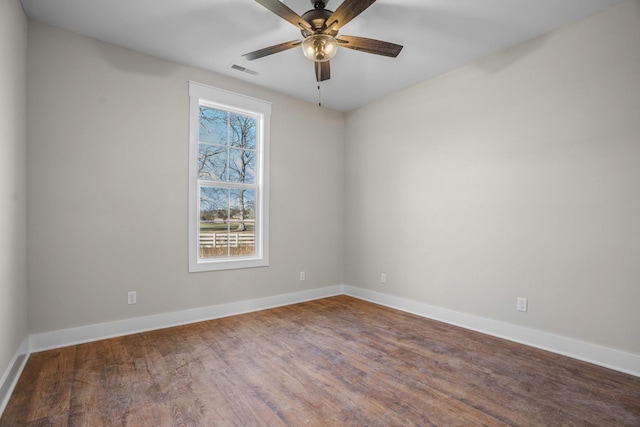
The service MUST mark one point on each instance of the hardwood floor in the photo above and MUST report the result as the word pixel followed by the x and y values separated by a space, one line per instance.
pixel 331 362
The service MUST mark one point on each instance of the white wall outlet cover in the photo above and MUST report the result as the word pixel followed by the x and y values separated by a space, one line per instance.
pixel 521 304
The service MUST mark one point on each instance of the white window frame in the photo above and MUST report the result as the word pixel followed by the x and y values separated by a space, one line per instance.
pixel 234 102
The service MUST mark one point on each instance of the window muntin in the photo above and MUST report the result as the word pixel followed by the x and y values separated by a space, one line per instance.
pixel 229 184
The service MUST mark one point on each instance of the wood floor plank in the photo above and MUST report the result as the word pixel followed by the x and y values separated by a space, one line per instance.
pixel 51 393
pixel 334 361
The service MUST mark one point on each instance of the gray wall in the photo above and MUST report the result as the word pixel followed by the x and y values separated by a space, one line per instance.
pixel 13 175
pixel 107 193
pixel 517 175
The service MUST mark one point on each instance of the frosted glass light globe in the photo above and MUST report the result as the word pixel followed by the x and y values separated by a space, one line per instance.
pixel 320 47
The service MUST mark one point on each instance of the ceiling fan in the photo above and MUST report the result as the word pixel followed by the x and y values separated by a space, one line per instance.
pixel 319 28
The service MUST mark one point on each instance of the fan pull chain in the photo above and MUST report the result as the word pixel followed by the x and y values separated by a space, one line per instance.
pixel 319 91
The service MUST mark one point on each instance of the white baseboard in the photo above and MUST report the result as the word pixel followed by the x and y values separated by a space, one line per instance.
pixel 83 334
pixel 603 356
pixel 610 358
pixel 10 377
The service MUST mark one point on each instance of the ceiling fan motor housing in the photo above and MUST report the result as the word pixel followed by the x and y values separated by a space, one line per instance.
pixel 317 18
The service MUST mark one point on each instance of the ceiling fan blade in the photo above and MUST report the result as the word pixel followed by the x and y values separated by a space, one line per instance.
pixel 323 71
pixel 377 47
pixel 271 50
pixel 285 13
pixel 348 10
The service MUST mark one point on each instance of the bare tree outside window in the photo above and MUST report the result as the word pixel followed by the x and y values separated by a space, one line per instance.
pixel 242 160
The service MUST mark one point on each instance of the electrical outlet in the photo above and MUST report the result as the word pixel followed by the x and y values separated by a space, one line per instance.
pixel 521 304
pixel 131 297
pixel 383 277
pixel 303 276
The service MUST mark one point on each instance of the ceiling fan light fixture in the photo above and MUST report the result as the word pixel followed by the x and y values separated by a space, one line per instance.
pixel 320 47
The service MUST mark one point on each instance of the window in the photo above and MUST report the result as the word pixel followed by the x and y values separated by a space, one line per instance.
pixel 228 180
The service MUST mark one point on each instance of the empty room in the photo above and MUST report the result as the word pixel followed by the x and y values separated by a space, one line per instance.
pixel 349 212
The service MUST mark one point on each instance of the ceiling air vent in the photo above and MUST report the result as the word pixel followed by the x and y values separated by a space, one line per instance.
pixel 243 69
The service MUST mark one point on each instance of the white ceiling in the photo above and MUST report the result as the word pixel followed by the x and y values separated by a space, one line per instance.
pixel 437 35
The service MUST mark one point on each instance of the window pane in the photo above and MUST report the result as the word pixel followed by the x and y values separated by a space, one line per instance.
pixel 214 201
pixel 243 131
pixel 242 221
pixel 213 126
pixel 242 166
pixel 214 224
pixel 212 162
